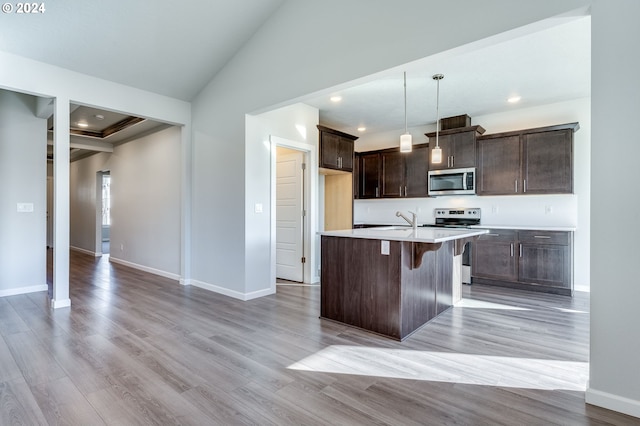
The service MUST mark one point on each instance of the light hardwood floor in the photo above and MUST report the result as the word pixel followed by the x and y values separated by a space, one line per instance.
pixel 140 349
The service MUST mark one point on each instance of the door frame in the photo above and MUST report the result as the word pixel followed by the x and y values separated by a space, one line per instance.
pixel 310 225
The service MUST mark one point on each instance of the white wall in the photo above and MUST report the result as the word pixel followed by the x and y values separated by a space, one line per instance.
pixel 82 200
pixel 23 150
pixel 145 202
pixel 291 56
pixel 615 289
pixel 529 210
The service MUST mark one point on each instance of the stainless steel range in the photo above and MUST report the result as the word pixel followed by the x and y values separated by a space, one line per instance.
pixel 457 217
pixel 460 218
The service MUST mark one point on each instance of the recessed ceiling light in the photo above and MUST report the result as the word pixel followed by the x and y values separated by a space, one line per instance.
pixel 336 98
pixel 82 124
pixel 362 129
pixel 99 117
pixel 514 99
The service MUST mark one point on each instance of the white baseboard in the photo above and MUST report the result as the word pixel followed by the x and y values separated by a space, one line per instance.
pixel 185 282
pixel 57 304
pixel 232 293
pixel 584 288
pixel 85 251
pixel 153 271
pixel 613 402
pixel 23 290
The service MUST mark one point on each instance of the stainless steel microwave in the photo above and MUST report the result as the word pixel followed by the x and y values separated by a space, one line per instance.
pixel 452 182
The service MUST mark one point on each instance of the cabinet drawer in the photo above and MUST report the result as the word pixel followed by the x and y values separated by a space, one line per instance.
pixel 499 235
pixel 544 237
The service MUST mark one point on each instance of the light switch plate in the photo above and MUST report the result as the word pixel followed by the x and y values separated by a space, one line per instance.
pixel 258 208
pixel 384 247
pixel 25 207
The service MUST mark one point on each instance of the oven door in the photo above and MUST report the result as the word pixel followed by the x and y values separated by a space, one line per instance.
pixel 452 182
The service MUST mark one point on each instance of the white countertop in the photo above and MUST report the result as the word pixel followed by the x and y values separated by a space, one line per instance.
pixel 526 228
pixel 405 233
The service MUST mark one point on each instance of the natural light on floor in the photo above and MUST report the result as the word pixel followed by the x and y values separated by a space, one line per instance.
pixel 479 304
pixel 486 370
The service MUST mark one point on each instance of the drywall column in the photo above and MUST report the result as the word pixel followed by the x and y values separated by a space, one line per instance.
pixel 614 379
pixel 61 158
pixel 185 216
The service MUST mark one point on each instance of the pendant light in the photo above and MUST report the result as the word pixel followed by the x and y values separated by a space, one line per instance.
pixel 405 140
pixel 436 152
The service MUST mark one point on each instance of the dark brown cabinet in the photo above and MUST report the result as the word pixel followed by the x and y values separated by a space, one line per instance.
pixel 494 256
pixel 336 149
pixel 530 260
pixel 391 174
pixel 532 161
pixel 368 176
pixel 458 147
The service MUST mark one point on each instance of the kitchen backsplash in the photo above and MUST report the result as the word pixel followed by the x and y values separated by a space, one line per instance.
pixel 526 210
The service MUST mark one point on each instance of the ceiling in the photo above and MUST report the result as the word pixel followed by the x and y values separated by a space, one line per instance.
pixel 163 46
pixel 96 130
pixel 178 49
pixel 548 66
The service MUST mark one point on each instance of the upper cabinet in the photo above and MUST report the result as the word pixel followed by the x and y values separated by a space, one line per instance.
pixel 336 149
pixel 389 173
pixel 532 161
pixel 458 147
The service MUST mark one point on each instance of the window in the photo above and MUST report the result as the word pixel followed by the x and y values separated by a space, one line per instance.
pixel 106 200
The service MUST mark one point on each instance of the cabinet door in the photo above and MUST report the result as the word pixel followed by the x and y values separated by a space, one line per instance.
pixel 494 256
pixel 392 174
pixel 499 166
pixel 345 153
pixel 463 150
pixel 548 162
pixel 445 143
pixel 369 170
pixel 545 264
pixel 329 144
pixel 416 172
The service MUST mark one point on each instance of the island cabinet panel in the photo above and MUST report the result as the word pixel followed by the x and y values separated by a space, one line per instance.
pixel 390 294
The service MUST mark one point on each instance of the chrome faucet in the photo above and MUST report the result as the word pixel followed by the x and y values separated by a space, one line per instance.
pixel 413 221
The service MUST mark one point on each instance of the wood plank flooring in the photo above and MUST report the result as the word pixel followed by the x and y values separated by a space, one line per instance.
pixel 138 349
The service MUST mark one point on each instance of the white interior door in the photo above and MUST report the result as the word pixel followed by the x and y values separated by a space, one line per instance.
pixel 289 215
pixel 49 212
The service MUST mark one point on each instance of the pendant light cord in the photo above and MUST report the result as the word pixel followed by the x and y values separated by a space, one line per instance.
pixel 405 102
pixel 437 78
pixel 437 111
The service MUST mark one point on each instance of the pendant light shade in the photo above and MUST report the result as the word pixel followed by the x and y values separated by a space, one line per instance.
pixel 405 143
pixel 436 155
pixel 405 140
pixel 436 152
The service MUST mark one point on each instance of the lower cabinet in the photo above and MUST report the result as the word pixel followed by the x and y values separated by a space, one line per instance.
pixel 529 260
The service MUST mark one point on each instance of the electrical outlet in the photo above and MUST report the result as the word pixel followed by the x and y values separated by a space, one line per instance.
pixel 494 209
pixel 121 247
pixel 548 209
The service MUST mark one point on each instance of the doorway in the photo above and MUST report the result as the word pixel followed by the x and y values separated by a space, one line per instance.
pixel 103 212
pixel 290 214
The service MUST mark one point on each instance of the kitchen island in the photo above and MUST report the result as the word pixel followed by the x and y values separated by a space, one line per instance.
pixel 391 280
